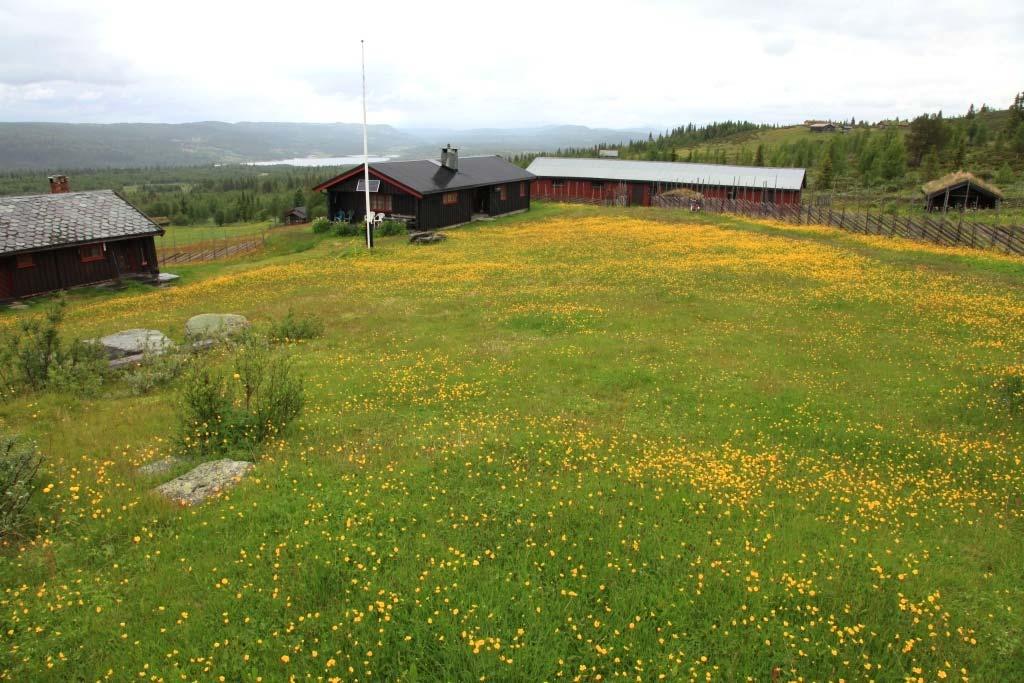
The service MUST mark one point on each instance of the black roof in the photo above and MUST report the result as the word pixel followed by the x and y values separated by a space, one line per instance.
pixel 427 176
pixel 46 221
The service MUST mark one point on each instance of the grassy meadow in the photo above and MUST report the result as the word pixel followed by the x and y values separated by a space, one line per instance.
pixel 575 444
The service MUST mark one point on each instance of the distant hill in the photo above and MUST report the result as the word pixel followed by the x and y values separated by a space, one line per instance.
pixel 67 146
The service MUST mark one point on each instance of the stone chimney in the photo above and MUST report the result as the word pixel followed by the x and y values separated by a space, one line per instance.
pixel 59 184
pixel 450 157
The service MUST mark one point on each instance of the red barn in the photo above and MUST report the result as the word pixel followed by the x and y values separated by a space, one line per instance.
pixel 636 183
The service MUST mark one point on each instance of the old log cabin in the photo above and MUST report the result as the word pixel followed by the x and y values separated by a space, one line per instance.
pixel 636 183
pixel 431 194
pixel 68 239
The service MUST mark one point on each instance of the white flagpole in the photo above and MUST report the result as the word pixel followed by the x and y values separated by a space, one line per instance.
pixel 366 156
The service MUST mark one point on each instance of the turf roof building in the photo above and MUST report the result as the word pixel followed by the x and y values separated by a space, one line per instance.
pixel 429 193
pixel 960 190
pixel 68 239
pixel 635 183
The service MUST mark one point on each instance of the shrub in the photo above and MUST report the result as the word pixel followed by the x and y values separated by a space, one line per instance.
pixel 346 229
pixel 388 228
pixel 156 371
pixel 321 225
pixel 241 405
pixel 292 327
pixel 79 369
pixel 19 464
pixel 35 357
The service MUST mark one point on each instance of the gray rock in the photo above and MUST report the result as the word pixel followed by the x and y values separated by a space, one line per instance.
pixel 427 238
pixel 135 342
pixel 166 277
pixel 205 481
pixel 161 466
pixel 215 325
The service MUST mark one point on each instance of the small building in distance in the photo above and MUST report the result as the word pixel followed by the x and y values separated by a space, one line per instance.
pixel 297 215
pixel 636 183
pixel 429 193
pixel 822 127
pixel 67 239
pixel 960 190
pixel 608 153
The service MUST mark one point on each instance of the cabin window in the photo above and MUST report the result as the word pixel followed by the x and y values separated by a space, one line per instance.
pixel 522 189
pixel 596 185
pixel 380 202
pixel 558 184
pixel 503 193
pixel 449 198
pixel 91 252
pixel 26 261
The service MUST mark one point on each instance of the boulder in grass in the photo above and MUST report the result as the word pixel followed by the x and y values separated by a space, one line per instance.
pixel 135 342
pixel 205 481
pixel 427 238
pixel 215 326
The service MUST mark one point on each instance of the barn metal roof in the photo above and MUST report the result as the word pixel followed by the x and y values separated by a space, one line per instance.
pixel 427 176
pixel 668 172
pixel 46 221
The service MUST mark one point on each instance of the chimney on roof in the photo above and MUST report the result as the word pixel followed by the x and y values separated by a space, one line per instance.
pixel 59 184
pixel 450 157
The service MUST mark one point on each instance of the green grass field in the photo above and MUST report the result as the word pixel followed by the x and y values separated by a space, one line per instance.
pixel 575 444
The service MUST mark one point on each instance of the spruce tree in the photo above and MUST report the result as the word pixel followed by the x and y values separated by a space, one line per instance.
pixel 825 178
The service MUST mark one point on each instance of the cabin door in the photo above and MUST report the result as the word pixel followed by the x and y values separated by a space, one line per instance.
pixel 636 195
pixel 482 200
pixel 6 283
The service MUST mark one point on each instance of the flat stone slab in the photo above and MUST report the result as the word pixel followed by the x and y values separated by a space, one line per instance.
pixel 161 466
pixel 427 238
pixel 215 325
pixel 135 342
pixel 167 277
pixel 205 481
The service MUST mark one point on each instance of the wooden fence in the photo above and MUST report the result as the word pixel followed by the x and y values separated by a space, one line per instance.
pixel 942 229
pixel 208 250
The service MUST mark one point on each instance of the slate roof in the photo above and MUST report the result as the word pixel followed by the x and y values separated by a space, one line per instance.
pixel 427 176
pixel 46 221
pixel 669 172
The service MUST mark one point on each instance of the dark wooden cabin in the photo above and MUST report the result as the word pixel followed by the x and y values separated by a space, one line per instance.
pixel 68 239
pixel 636 183
pixel 960 190
pixel 295 216
pixel 431 194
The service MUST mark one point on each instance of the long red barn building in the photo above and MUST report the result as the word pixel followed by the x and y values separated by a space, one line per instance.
pixel 636 183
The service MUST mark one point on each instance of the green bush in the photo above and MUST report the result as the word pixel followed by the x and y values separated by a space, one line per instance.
pixel 156 371
pixel 36 357
pixel 293 327
pixel 321 225
pixel 79 369
pixel 388 228
pixel 346 229
pixel 242 404
pixel 19 464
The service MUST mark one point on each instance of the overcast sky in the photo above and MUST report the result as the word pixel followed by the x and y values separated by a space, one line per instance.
pixel 478 64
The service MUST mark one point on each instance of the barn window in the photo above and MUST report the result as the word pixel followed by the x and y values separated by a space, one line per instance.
pixel 522 189
pixel 596 184
pixel 91 252
pixel 380 202
pixel 503 193
pixel 26 261
pixel 558 184
pixel 450 198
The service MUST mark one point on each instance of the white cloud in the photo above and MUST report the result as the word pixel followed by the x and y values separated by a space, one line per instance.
pixel 598 63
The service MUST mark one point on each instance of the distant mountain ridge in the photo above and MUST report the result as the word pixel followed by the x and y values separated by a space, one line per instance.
pixel 68 146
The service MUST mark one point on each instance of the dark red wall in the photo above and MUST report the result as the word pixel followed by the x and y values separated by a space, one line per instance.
pixel 63 268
